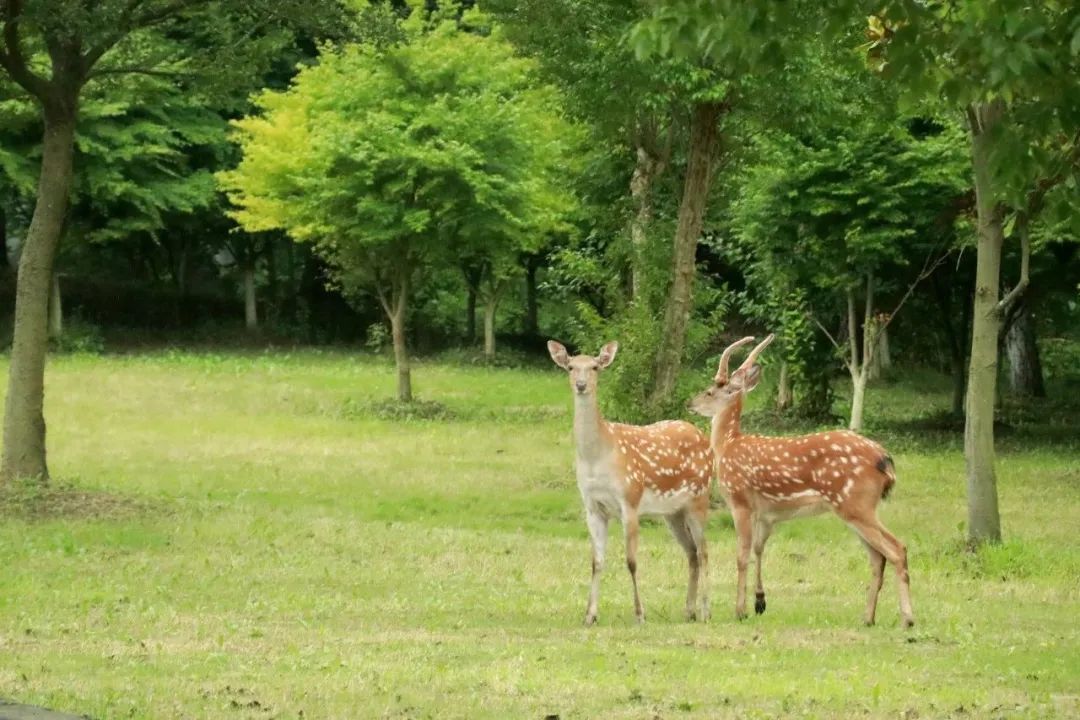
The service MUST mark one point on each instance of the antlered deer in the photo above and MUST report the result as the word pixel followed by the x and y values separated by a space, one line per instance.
pixel 767 480
pixel 627 471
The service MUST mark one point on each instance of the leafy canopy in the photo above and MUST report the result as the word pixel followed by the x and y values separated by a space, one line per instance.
pixel 388 156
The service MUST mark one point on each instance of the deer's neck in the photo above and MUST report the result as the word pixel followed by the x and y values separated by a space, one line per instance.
pixel 725 427
pixel 591 436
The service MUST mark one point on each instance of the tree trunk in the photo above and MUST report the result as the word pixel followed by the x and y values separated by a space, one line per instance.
pixel 1025 368
pixel 532 316
pixel 251 314
pixel 24 420
pixel 397 309
pixel 646 169
pixel 5 263
pixel 860 367
pixel 489 327
pixel 56 309
pixel 783 389
pixel 401 353
pixel 984 522
pixel 704 140
pixel 470 314
pixel 882 362
pixel 858 400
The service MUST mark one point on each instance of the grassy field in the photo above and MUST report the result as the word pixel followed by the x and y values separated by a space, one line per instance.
pixel 249 536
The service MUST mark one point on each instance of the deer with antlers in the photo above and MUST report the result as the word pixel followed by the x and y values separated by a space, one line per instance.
pixel 767 480
pixel 630 471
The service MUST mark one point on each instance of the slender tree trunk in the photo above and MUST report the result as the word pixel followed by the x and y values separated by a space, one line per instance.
pixel 1025 368
pixel 532 316
pixel 860 367
pixel 858 401
pixel 704 141
pixel 397 309
pixel 489 327
pixel 882 362
pixel 56 309
pixel 470 314
pixel 783 389
pixel 883 354
pixel 272 300
pixel 5 263
pixel 251 314
pixel 641 192
pixel 984 522
pixel 24 420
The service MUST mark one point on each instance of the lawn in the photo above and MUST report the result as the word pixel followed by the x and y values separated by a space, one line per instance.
pixel 253 536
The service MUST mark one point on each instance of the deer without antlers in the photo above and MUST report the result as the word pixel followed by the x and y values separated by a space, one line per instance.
pixel 767 480
pixel 627 471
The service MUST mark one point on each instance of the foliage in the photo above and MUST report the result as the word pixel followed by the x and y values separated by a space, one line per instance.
pixel 388 158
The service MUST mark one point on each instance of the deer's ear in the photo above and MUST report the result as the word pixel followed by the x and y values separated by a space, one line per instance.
pixel 607 354
pixel 558 354
pixel 750 377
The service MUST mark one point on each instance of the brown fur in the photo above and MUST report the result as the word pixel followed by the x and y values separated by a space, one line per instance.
pixel 767 480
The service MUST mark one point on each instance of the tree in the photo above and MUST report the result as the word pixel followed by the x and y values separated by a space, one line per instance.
pixel 53 49
pixel 840 213
pixel 1013 69
pixel 392 158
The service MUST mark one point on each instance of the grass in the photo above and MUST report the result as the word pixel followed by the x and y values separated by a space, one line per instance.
pixel 257 536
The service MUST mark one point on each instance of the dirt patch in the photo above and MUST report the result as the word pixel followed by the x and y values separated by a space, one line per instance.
pixel 30 500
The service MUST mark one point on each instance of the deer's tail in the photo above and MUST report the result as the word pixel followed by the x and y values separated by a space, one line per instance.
pixel 887 468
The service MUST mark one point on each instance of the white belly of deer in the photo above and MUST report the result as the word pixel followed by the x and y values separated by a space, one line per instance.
pixel 664 503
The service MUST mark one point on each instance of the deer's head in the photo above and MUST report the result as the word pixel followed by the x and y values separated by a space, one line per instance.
pixel 584 370
pixel 727 388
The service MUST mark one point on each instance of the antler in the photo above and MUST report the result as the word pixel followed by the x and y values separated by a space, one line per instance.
pixel 721 372
pixel 752 357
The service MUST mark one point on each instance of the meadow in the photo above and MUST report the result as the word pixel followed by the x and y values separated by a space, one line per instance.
pixel 246 535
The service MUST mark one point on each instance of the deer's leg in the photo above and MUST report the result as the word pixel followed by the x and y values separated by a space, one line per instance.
pixel 679 525
pixel 894 551
pixel 741 516
pixel 877 568
pixel 762 530
pixel 630 523
pixel 598 530
pixel 696 521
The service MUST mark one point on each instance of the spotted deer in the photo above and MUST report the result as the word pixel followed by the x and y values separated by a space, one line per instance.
pixel 767 480
pixel 630 471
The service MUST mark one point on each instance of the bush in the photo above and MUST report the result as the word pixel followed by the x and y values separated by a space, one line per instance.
pixel 628 383
pixel 1060 358
pixel 79 336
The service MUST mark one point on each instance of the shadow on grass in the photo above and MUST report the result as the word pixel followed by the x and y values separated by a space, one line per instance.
pixel 1019 425
pixel 31 500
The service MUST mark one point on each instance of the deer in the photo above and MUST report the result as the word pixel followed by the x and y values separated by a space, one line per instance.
pixel 768 480
pixel 631 471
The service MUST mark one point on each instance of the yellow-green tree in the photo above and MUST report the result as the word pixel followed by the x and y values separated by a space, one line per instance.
pixel 390 159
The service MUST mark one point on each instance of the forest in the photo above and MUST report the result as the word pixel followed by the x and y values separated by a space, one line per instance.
pixel 373 215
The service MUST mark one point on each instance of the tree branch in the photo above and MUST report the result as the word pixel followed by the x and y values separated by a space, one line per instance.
pixel 833 340
pixel 927 270
pixel 12 58
pixel 1006 303
pixel 870 334
pixel 853 333
pixel 131 20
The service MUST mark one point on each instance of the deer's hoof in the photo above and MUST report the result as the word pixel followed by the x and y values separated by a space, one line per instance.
pixel 759 603
pixel 590 620
pixel 908 623
pixel 740 614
